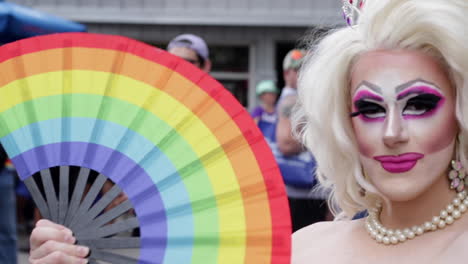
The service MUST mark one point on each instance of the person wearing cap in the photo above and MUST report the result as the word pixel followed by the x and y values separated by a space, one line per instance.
pixel 265 113
pixel 296 164
pixel 287 144
pixel 191 48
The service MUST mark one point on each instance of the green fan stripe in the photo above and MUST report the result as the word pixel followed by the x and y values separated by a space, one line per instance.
pixel 167 139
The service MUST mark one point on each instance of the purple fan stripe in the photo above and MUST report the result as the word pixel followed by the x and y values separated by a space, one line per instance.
pixel 130 177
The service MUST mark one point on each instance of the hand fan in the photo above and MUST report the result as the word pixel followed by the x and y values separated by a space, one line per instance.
pixel 201 181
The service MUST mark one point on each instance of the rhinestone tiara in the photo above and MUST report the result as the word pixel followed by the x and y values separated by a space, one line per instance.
pixel 352 11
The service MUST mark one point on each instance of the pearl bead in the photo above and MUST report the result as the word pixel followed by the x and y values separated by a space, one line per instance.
pixel 388 236
pixel 427 226
pixel 462 208
pixel 383 230
pixel 443 214
pixel 379 238
pixel 419 231
pixel 402 238
pixel 386 240
pixel 449 220
pixel 441 224
pixel 450 208
pixel 461 195
pixel 406 231
pixel 456 214
pixel 465 202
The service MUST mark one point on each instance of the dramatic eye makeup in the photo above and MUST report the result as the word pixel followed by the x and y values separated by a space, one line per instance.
pixel 422 101
pixel 368 105
pixel 416 101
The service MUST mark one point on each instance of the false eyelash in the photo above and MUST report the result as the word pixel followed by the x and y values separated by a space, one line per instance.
pixel 364 107
pixel 429 101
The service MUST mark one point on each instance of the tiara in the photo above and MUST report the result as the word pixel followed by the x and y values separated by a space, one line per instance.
pixel 352 11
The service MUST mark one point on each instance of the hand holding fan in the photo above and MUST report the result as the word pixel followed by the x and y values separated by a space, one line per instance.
pixel 202 183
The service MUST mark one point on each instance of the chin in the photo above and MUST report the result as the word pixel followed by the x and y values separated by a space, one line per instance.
pixel 401 195
pixel 402 189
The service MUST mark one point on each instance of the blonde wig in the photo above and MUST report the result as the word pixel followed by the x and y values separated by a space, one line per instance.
pixel 437 28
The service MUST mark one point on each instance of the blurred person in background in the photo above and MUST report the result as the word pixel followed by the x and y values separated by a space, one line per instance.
pixel 8 237
pixel 296 164
pixel 265 113
pixel 191 48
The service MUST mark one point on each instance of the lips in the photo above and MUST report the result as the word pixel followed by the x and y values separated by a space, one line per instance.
pixel 399 163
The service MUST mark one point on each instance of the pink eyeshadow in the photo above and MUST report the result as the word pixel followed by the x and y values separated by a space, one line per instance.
pixel 422 90
pixel 367 95
pixel 419 90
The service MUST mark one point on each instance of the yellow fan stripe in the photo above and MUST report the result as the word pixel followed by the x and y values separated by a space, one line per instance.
pixel 186 94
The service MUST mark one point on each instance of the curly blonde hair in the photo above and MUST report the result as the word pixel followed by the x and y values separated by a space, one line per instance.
pixel 434 27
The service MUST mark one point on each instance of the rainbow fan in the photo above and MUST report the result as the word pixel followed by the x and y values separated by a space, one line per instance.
pixel 201 182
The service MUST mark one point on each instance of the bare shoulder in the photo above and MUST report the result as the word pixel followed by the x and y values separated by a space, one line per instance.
pixel 309 233
pixel 312 239
pixel 457 245
pixel 316 240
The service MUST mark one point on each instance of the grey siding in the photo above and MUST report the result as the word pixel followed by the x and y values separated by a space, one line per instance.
pixel 199 12
pixel 257 24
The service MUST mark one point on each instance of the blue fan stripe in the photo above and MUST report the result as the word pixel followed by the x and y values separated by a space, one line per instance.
pixel 151 228
pixel 161 169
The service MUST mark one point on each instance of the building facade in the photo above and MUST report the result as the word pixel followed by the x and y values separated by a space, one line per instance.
pixel 247 38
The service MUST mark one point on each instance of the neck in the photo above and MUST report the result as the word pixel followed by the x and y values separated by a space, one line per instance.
pixel 290 85
pixel 268 108
pixel 419 210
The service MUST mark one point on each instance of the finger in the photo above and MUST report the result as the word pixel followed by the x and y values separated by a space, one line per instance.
pixel 122 197
pixel 51 246
pixel 48 223
pixel 58 257
pixel 41 234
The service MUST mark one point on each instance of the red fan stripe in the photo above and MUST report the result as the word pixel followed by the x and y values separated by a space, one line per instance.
pixel 266 162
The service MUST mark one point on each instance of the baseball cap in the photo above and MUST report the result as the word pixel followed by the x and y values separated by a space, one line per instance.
pixel 192 42
pixel 293 59
pixel 266 86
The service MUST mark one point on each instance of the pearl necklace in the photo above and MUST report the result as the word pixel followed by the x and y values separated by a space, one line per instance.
pixel 386 236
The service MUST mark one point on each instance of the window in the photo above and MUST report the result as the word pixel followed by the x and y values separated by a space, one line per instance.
pixel 231 68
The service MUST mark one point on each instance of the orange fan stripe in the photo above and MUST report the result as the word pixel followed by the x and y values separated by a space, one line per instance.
pixel 190 90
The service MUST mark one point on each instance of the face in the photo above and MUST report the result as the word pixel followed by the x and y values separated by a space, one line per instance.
pixel 186 54
pixel 268 98
pixel 290 78
pixel 402 106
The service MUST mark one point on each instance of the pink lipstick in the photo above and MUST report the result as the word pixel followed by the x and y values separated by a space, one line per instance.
pixel 399 163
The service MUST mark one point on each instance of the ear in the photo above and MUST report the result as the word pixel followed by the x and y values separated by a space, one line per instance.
pixel 207 66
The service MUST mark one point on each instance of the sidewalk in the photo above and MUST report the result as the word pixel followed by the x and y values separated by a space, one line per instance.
pixel 23 247
pixel 22 258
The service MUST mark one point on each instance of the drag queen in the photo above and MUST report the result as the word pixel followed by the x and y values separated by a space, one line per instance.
pixel 384 109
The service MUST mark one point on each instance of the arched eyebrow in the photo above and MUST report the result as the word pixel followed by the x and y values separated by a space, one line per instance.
pixel 401 87
pixel 371 86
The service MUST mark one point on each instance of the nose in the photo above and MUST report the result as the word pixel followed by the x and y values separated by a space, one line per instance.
pixel 395 132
